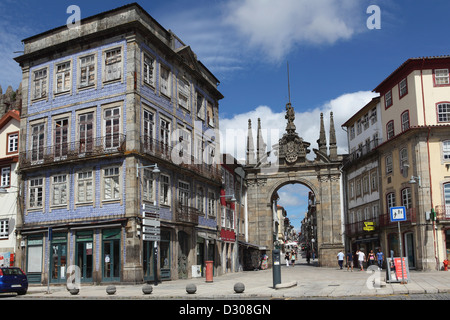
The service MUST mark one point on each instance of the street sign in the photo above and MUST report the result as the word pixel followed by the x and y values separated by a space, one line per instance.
pixel 398 214
pixel 149 208
pixel 153 230
pixel 151 237
pixel 368 226
pixel 151 223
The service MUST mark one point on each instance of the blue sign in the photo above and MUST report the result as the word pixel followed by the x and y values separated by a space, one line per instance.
pixel 398 214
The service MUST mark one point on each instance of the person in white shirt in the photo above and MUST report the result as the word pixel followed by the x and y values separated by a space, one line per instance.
pixel 340 257
pixel 361 259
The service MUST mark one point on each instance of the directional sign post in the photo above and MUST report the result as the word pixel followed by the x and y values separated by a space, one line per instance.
pixel 151 231
pixel 399 214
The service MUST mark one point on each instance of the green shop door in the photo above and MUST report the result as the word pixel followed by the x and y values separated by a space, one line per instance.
pixel 149 260
pixel 58 258
pixel 111 254
pixel 84 255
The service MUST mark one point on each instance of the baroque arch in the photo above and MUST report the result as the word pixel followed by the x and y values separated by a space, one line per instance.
pixel 322 175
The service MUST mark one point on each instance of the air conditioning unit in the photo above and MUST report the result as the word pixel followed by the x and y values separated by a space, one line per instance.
pixel 196 271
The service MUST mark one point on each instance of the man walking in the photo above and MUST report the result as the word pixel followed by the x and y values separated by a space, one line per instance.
pixel 380 258
pixel 349 260
pixel 361 259
pixel 340 257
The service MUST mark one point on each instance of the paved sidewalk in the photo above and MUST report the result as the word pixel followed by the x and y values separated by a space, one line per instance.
pixel 300 281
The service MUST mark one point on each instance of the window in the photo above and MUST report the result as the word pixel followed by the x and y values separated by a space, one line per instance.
pixel 87 71
pixel 446 149
pixel 352 132
pixel 85 186
pixel 358 187
pixel 86 132
pixel 184 92
pixel 111 183
pixel 223 218
pixel 62 77
pixel 147 185
pixel 59 190
pixel 366 184
pixel 374 180
pixel 390 200
pixel 351 190
pixel 390 129
pixel 388 164
pixel 443 112
pixel 210 114
pixel 375 140
pixel 211 204
pixel 164 189
pixel 373 115
pixel 165 81
pixel 359 127
pixel 4 228
pixel 112 127
pixel 405 120
pixel 149 70
pixel 183 193
pixel 35 193
pixel 447 194
pixel 37 142
pixel 200 106
pixel 406 198
pixel 113 64
pixel 6 176
pixel 185 144
pixel 441 76
pixel 230 218
pixel 149 125
pixel 200 200
pixel 13 142
pixel 164 134
pixel 40 84
pixel 403 88
pixel 404 161
pixel 61 136
pixel 388 99
pixel 366 121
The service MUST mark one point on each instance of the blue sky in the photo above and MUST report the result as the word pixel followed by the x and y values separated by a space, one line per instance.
pixel 335 60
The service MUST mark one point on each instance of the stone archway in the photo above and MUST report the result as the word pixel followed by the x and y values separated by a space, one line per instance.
pixel 322 175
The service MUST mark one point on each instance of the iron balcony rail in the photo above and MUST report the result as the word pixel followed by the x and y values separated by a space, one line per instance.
pixel 69 151
pixel 186 214
pixel 443 212
pixel 166 152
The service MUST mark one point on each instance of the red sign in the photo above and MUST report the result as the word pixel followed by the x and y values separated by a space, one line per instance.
pixel 398 269
pixel 227 235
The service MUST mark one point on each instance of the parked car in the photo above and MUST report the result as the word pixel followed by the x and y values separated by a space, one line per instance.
pixel 13 279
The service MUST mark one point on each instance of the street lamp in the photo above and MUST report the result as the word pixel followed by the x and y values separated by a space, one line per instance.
pixel 155 171
pixel 413 180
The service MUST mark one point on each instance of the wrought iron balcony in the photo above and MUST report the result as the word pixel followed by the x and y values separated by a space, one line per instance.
pixel 443 212
pixel 186 214
pixel 72 151
pixel 163 151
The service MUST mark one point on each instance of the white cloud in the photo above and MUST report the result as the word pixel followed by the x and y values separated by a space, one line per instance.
pixel 234 129
pixel 277 27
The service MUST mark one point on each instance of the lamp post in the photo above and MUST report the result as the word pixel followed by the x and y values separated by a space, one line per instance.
pixel 155 171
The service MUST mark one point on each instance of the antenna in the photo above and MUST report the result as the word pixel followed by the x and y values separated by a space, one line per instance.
pixel 289 85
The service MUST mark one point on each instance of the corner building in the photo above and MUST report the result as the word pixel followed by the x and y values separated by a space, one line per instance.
pixel 103 103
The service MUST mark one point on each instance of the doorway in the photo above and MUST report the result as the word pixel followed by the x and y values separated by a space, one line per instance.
pixel 111 254
pixel 58 260
pixel 84 255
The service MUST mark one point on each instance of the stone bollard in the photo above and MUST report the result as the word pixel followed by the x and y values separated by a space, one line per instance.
pixel 74 291
pixel 147 289
pixel 191 288
pixel 111 290
pixel 239 287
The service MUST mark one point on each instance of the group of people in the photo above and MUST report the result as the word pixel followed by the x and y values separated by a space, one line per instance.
pixel 371 258
pixel 290 256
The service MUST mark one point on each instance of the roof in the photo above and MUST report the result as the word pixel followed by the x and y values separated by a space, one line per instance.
pixel 410 65
pixel 361 112
pixel 12 114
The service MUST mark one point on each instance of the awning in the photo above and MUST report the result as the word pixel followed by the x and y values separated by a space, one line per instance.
pixel 251 245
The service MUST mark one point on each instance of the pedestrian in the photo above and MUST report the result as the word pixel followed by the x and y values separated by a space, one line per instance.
pixel 361 259
pixel 340 257
pixel 371 258
pixel 349 260
pixel 308 255
pixel 287 258
pixel 293 257
pixel 380 258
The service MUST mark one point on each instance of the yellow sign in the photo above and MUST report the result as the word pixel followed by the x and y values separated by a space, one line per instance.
pixel 368 226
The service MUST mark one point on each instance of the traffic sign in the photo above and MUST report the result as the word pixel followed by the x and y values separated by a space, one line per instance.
pixel 153 230
pixel 151 222
pixel 151 237
pixel 398 214
pixel 149 207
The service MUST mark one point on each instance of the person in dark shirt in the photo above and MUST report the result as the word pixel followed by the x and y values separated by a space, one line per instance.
pixel 349 260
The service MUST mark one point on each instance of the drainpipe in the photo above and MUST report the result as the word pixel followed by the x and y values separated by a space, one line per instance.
pixel 429 165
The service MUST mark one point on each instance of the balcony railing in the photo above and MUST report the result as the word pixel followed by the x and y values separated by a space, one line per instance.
pixel 443 212
pixel 186 214
pixel 385 219
pixel 70 151
pixel 362 151
pixel 163 151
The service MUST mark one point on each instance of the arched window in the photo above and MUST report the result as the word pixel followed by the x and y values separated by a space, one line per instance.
pixel 390 200
pixel 406 198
